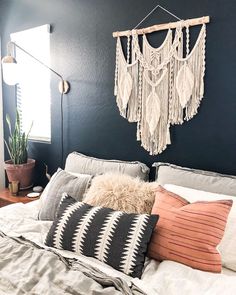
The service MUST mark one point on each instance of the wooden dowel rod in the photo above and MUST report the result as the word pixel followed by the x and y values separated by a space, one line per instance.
pixel 166 26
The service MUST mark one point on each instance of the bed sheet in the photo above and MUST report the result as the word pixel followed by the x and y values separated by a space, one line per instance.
pixel 165 278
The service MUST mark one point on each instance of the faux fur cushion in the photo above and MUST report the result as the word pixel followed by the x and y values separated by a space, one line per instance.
pixel 121 192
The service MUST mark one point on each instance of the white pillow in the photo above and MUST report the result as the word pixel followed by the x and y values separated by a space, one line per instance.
pixel 227 246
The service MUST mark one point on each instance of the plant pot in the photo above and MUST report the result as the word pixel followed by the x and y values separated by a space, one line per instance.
pixel 21 172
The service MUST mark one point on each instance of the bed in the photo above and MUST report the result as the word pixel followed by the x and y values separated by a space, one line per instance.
pixel 27 266
pixel 36 277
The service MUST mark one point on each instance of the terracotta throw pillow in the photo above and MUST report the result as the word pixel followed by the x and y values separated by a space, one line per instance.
pixel 188 233
pixel 121 192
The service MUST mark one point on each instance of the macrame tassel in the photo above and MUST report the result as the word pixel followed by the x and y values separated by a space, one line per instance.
pixel 175 112
pixel 153 126
pixel 197 65
pixel 133 104
pixel 188 80
pixel 127 85
pixel 155 95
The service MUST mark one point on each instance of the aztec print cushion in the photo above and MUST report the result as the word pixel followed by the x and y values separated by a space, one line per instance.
pixel 188 233
pixel 114 237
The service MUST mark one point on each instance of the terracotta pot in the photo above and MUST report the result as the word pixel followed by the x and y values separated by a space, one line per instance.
pixel 22 172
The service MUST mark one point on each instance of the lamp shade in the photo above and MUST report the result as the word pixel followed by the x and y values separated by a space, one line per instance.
pixel 10 70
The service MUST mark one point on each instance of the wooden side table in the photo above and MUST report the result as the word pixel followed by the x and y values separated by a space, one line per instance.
pixel 6 198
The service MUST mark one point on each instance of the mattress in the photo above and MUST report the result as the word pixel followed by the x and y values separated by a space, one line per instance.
pixel 165 278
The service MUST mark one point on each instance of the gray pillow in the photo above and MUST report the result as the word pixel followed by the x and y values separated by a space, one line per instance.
pixel 62 182
pixel 197 179
pixel 80 163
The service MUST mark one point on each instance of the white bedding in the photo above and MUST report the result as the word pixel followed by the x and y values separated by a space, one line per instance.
pixel 166 278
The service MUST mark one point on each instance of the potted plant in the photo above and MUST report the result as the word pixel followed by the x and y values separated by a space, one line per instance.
pixel 19 167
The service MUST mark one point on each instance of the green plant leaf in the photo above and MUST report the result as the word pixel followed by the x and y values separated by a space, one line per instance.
pixel 8 149
pixel 8 123
pixel 17 141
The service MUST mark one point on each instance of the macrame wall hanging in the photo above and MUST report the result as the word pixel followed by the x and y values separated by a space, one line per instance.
pixel 160 87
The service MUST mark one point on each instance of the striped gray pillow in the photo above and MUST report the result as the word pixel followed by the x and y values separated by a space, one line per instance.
pixel 61 182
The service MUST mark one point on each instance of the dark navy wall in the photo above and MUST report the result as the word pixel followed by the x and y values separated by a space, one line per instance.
pixel 83 51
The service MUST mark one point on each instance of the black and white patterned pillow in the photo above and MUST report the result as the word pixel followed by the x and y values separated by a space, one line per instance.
pixel 114 237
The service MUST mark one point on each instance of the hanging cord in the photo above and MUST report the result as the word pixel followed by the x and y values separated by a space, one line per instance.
pixel 62 132
pixel 157 6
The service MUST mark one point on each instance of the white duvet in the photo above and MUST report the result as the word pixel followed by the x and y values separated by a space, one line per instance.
pixel 165 278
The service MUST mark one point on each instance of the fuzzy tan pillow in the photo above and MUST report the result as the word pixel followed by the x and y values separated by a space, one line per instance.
pixel 121 192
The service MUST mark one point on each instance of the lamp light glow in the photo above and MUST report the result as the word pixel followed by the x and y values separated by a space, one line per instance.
pixel 11 73
pixel 10 70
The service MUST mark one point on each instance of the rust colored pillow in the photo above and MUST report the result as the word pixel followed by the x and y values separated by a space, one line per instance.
pixel 188 232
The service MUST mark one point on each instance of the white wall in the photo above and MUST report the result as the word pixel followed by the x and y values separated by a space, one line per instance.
pixel 2 175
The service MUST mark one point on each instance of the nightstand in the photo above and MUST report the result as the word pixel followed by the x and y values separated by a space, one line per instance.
pixel 6 198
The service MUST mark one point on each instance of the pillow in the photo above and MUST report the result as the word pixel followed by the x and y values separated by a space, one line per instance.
pixel 121 192
pixel 80 163
pixel 61 182
pixel 197 179
pixel 227 246
pixel 114 237
pixel 188 233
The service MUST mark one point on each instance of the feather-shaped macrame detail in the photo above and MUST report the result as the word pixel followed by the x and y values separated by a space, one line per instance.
pixel 184 84
pixel 153 111
pixel 125 88
pixel 192 70
pixel 126 84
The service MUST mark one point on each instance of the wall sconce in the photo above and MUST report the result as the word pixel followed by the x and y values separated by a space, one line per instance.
pixel 10 70
pixel 11 76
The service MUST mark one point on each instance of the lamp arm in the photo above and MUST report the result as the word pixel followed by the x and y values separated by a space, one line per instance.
pixel 26 52
pixel 63 86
